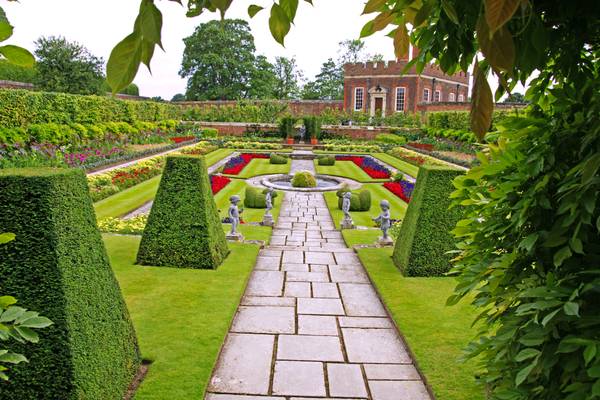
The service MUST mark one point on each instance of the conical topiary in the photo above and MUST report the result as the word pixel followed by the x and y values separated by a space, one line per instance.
pixel 183 228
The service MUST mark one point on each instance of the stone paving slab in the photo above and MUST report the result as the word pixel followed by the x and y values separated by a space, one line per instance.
pixel 310 325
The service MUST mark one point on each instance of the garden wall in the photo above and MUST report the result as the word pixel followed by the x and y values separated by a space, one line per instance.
pixel 239 128
pixel 296 107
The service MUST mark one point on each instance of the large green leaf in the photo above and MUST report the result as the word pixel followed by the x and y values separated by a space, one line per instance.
pixel 12 358
pixel 498 12
pixel 150 22
pixel 499 48
pixel 373 6
pixel 253 9
pixel 124 62
pixel 6 237
pixel 401 41
pixel 279 23
pixel 6 30
pixel 17 55
pixel 290 7
pixel 482 103
pixel 450 11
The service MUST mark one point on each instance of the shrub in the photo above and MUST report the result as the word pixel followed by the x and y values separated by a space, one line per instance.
pixel 425 238
pixel 304 179
pixel 278 158
pixel 210 132
pixel 313 126
pixel 183 228
pixel 326 160
pixel 58 266
pixel 256 198
pixel 390 138
pixel 286 126
pixel 360 201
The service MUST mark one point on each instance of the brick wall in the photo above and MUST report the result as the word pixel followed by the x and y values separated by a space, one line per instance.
pixel 296 107
pixel 15 85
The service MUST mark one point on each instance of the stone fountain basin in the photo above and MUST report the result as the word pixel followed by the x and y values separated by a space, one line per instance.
pixel 325 183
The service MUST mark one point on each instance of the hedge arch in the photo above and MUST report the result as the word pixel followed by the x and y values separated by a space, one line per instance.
pixel 425 238
pixel 183 228
pixel 57 265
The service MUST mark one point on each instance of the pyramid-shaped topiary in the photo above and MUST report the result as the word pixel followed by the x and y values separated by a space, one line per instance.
pixel 183 228
pixel 57 265
pixel 425 238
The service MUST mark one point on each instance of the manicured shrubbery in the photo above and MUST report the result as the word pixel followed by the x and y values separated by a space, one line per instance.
pixel 210 132
pixel 20 108
pixel 425 238
pixel 390 138
pixel 242 111
pixel 278 158
pixel 304 179
pixel 183 227
pixel 57 265
pixel 313 126
pixel 286 126
pixel 326 160
pixel 360 201
pixel 256 197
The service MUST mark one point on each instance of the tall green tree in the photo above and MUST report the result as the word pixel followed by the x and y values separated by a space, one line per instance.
pixel 328 84
pixel 263 79
pixel 219 61
pixel 351 51
pixel 67 67
pixel 288 77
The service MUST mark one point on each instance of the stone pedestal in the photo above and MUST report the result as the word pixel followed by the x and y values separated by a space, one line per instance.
pixel 347 223
pixel 388 241
pixel 267 220
pixel 235 237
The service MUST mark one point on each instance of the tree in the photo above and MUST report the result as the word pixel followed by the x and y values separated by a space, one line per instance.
pixel 351 51
pixel 263 79
pixel 16 73
pixel 328 84
pixel 67 67
pixel 219 61
pixel 288 77
pixel 178 97
pixel 515 97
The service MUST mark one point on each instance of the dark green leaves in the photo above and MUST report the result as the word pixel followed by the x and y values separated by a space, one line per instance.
pixel 279 23
pixel 138 47
pixel 253 9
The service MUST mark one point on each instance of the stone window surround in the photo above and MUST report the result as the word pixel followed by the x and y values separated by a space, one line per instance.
pixel 426 93
pixel 461 98
pixel 437 96
pixel 356 98
pixel 398 109
pixel 452 97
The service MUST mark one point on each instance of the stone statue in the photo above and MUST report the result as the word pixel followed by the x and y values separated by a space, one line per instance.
pixel 268 218
pixel 347 222
pixel 385 223
pixel 234 217
pixel 302 132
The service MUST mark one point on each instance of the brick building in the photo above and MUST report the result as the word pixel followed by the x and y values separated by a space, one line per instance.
pixel 379 87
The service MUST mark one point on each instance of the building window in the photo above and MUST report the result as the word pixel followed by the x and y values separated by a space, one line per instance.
pixel 461 98
pixel 451 97
pixel 400 98
pixel 359 94
pixel 437 96
pixel 425 95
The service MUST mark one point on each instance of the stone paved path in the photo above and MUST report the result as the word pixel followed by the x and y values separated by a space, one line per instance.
pixel 310 325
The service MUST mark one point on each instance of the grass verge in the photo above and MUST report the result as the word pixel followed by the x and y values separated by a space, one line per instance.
pixel 363 218
pixel 399 164
pixel 128 200
pixel 181 316
pixel 435 333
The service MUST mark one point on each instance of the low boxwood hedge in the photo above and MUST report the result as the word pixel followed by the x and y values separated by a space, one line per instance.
pixel 425 238
pixel 326 160
pixel 360 201
pixel 278 159
pixel 256 197
pixel 57 265
pixel 183 228
pixel 304 179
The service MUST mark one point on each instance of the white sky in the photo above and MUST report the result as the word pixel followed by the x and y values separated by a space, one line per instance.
pixel 100 24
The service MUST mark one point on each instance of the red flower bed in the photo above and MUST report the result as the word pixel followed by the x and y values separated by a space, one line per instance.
pixel 367 164
pixel 422 146
pixel 125 179
pixel 218 182
pixel 235 165
pixel 402 191
pixel 180 139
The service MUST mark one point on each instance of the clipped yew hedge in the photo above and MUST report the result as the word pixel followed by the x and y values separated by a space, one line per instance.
pixel 425 238
pixel 57 265
pixel 183 228
pixel 20 108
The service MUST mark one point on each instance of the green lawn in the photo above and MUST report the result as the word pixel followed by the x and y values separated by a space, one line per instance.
pixel 435 333
pixel 130 199
pixel 346 169
pixel 397 163
pixel 378 193
pixel 262 166
pixel 127 200
pixel 354 237
pixel 250 214
pixel 181 316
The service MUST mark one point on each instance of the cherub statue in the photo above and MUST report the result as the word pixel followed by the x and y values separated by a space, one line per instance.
pixel 384 219
pixel 234 214
pixel 346 205
pixel 269 200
